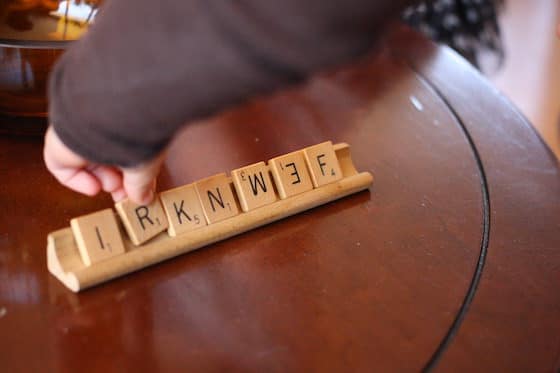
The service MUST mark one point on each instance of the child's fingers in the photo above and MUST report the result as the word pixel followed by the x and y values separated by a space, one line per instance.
pixel 67 167
pixel 80 175
pixel 79 180
pixel 140 182
pixel 109 177
pixel 119 194
pixel 139 185
pixel 82 181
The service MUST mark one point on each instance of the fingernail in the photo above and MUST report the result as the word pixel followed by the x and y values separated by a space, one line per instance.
pixel 118 195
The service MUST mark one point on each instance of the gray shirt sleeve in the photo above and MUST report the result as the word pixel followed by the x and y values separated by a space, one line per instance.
pixel 146 67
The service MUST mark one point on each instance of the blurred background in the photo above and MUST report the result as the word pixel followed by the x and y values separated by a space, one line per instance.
pixel 513 42
pixel 530 74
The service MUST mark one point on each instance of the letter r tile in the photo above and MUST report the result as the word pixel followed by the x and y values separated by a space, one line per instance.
pixel 254 186
pixel 290 174
pixel 97 236
pixel 183 209
pixel 323 164
pixel 142 222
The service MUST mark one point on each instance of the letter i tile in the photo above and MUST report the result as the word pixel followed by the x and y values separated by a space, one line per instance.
pixel 97 236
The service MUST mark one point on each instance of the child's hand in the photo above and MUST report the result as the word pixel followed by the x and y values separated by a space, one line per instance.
pixel 78 174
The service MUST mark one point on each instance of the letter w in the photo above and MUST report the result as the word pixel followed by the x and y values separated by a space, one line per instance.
pixel 255 180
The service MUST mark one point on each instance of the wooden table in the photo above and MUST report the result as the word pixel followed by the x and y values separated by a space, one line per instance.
pixel 450 262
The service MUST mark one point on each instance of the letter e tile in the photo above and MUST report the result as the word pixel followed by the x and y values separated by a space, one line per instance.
pixel 183 209
pixel 254 186
pixel 142 222
pixel 290 174
pixel 97 236
pixel 323 164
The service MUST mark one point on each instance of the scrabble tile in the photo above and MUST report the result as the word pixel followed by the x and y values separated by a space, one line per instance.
pixel 323 164
pixel 142 222
pixel 183 210
pixel 290 174
pixel 97 236
pixel 254 186
pixel 216 195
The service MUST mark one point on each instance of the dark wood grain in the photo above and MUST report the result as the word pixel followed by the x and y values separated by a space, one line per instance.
pixel 513 323
pixel 375 281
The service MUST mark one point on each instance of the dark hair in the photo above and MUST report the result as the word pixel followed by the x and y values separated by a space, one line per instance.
pixel 468 26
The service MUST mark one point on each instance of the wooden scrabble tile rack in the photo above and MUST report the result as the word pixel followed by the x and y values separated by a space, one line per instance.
pixel 66 262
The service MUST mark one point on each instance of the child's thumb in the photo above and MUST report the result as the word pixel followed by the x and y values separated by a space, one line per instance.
pixel 140 182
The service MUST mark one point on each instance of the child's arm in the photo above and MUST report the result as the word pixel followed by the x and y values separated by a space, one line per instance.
pixel 146 67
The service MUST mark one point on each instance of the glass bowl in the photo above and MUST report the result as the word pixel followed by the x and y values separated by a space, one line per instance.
pixel 33 34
